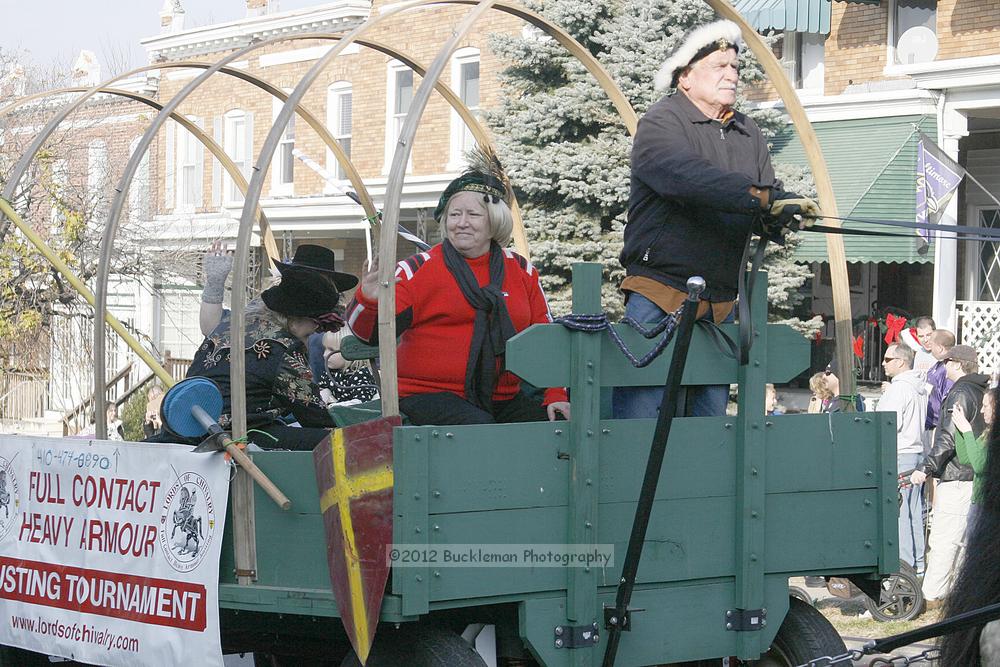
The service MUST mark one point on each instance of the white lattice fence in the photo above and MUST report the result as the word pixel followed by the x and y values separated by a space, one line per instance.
pixel 979 326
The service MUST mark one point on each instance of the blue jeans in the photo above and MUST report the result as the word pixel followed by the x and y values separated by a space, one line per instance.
pixel 911 516
pixel 644 402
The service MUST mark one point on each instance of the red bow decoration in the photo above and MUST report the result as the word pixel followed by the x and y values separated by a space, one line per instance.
pixel 859 347
pixel 894 325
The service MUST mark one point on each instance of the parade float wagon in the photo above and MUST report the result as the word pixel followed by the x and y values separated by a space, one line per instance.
pixel 740 503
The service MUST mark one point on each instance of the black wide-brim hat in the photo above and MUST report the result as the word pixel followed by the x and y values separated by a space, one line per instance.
pixel 310 257
pixel 302 293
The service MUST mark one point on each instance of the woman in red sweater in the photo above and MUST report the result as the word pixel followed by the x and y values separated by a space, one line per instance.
pixel 456 306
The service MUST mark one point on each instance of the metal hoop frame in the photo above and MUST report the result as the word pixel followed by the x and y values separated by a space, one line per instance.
pixel 824 187
pixel 243 498
pixel 394 186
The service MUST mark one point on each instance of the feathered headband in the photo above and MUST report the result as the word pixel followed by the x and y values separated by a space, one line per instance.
pixel 485 175
pixel 698 43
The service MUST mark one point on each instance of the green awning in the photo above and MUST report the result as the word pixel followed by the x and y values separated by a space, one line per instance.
pixel 798 15
pixel 872 162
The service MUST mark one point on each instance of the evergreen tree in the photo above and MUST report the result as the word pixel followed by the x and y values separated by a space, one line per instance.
pixel 566 149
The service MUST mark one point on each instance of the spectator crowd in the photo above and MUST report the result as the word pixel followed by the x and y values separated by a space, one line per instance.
pixel 944 408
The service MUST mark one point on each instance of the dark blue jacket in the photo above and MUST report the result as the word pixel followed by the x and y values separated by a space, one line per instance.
pixel 690 208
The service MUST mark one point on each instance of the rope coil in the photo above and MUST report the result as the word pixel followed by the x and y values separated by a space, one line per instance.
pixel 597 322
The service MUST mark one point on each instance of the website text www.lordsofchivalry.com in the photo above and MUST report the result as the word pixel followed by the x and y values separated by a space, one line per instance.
pixel 77 632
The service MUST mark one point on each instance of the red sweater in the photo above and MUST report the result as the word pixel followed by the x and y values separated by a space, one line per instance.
pixel 435 321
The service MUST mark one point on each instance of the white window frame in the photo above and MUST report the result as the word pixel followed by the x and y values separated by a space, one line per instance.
pixel 236 147
pixel 179 331
pixel 794 59
pixel 97 169
pixel 973 251
pixel 282 184
pixel 335 95
pixel 138 192
pixel 188 156
pixel 394 122
pixel 891 59
pixel 461 139
pixel 98 181
pixel 60 185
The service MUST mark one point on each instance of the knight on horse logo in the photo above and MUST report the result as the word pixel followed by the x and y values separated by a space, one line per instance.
pixel 187 522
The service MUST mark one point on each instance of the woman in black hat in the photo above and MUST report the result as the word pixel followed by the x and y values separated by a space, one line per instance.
pixel 278 324
pixel 456 306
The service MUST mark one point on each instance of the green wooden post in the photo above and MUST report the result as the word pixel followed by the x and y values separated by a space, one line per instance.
pixel 750 471
pixel 410 510
pixel 888 492
pixel 584 437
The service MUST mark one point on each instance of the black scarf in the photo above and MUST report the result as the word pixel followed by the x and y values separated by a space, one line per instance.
pixel 492 326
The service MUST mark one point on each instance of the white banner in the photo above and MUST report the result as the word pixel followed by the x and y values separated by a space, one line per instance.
pixel 109 551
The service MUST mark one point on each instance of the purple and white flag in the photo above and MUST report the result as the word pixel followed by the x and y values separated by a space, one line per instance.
pixel 938 178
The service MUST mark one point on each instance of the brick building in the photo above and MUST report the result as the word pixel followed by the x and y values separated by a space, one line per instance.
pixel 362 97
pixel 872 74
pixel 65 192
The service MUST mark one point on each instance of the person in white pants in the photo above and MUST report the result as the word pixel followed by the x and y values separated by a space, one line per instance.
pixel 953 493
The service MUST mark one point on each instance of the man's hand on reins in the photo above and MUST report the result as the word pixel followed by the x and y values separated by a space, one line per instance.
pixel 793 211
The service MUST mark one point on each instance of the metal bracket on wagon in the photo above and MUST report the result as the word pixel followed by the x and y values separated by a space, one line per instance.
pixel 576 636
pixel 612 619
pixel 746 620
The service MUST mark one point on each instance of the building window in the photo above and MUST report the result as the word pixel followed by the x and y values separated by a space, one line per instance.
pixel 802 56
pixel 913 31
pixel 988 270
pixel 180 334
pixel 400 91
pixel 138 192
pixel 283 165
pixel 339 118
pixel 465 81
pixel 237 137
pixel 58 192
pixel 97 177
pixel 189 163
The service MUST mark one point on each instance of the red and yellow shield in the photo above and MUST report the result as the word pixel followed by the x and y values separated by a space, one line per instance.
pixel 354 476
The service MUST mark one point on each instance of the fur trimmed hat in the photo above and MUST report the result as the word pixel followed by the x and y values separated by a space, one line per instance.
pixel 697 44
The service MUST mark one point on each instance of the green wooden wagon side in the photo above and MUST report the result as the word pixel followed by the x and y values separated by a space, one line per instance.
pixel 744 502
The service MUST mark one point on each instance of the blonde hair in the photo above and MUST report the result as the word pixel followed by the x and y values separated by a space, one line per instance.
pixel 257 308
pixel 331 339
pixel 818 385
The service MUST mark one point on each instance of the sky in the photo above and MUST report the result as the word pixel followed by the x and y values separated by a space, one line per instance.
pixel 55 31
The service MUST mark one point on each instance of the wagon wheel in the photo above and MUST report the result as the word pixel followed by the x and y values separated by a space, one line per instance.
pixel 801 594
pixel 418 646
pixel 804 635
pixel 900 598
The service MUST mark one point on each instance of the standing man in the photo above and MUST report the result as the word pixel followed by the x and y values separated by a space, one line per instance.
pixel 953 493
pixel 907 397
pixel 940 341
pixel 925 329
pixel 701 178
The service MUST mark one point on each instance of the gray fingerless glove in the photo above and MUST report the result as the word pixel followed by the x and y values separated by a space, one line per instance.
pixel 217 268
